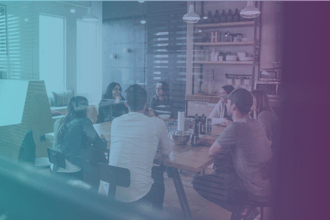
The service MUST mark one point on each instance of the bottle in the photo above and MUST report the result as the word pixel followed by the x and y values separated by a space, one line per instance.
pixel 202 20
pixel 223 18
pixel 216 17
pixel 230 16
pixel 203 125
pixel 195 135
pixel 209 18
pixel 237 16
pixel 196 117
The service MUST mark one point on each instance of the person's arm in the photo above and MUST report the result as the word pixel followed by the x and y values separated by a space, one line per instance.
pixel 215 149
pixel 165 144
pixel 227 140
pixel 215 111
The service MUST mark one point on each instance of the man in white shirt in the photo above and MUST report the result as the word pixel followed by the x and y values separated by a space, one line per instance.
pixel 135 139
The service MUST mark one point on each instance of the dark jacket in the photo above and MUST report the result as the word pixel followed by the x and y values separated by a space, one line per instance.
pixel 161 107
pixel 108 110
pixel 79 134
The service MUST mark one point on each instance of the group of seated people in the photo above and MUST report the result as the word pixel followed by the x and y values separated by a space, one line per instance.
pixel 113 105
pixel 137 135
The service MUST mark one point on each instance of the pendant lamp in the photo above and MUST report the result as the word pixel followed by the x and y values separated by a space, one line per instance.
pixel 191 16
pixel 250 11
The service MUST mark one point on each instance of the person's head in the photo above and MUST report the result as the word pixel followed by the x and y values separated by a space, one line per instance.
pixel 225 90
pixel 162 89
pixel 260 102
pixel 240 101
pixel 77 108
pixel 113 90
pixel 136 98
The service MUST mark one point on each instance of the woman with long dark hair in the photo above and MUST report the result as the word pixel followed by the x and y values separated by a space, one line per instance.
pixel 112 104
pixel 161 102
pixel 73 133
pixel 220 110
pixel 262 111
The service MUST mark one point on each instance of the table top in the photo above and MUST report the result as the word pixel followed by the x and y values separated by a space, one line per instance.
pixel 184 157
pixel 189 158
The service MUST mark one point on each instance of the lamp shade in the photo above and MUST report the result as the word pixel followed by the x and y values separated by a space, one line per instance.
pixel 250 11
pixel 89 16
pixel 191 16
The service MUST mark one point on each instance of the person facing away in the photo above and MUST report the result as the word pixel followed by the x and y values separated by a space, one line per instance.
pixel 135 139
pixel 112 104
pixel 247 142
pixel 73 133
pixel 161 103
pixel 220 110
pixel 262 111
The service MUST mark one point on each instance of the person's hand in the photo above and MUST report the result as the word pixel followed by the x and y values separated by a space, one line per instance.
pixel 227 122
pixel 118 98
pixel 151 113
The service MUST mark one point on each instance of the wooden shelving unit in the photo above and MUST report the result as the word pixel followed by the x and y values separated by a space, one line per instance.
pixel 197 62
pixel 228 24
pixel 225 62
pixel 247 43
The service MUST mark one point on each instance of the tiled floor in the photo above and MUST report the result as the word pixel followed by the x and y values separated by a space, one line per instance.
pixel 201 209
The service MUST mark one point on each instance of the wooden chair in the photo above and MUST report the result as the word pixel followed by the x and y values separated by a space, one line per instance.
pixel 57 159
pixel 115 176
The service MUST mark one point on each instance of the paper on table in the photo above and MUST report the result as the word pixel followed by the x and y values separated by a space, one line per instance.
pixel 216 121
pixel 180 121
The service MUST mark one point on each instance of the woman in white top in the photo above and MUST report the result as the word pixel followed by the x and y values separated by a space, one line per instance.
pixel 220 110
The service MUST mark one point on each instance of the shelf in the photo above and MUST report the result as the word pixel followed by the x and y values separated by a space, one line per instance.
pixel 225 62
pixel 225 43
pixel 229 24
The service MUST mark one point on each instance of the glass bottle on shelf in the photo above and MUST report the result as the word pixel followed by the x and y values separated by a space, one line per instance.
pixel 223 18
pixel 230 16
pixel 202 20
pixel 237 16
pixel 209 18
pixel 216 17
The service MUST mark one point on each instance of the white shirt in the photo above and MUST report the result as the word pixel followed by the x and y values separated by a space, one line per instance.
pixel 135 139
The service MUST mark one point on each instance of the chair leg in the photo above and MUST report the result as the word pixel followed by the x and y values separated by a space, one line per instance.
pixel 261 213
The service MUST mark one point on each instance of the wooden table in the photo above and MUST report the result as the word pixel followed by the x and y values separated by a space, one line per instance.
pixel 187 158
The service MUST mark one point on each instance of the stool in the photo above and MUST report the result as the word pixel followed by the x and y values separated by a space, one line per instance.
pixel 254 205
pixel 260 205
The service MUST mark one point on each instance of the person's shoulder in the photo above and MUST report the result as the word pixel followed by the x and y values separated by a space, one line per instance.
pixel 85 121
pixel 156 121
pixel 267 115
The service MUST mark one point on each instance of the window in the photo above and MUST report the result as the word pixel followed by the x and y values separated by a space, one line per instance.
pixel 166 56
pixel 52 52
pixel 88 72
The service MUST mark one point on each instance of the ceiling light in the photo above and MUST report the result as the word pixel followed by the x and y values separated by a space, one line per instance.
pixel 141 1
pixel 250 11
pixel 90 16
pixel 72 10
pixel 143 22
pixel 191 16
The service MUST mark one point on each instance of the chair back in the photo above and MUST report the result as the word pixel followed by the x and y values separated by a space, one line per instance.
pixel 90 159
pixel 115 176
pixel 27 151
pixel 57 159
